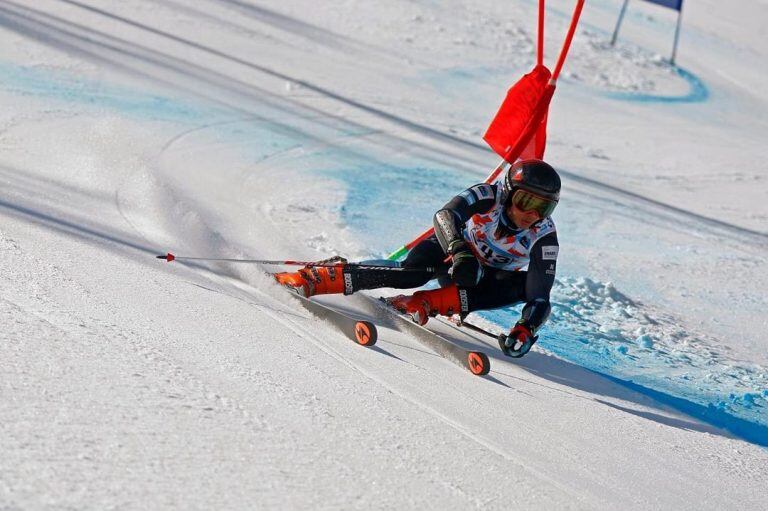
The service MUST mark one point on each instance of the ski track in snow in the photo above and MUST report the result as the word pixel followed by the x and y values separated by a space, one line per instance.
pixel 467 431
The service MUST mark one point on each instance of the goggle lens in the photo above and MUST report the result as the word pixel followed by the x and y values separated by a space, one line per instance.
pixel 527 201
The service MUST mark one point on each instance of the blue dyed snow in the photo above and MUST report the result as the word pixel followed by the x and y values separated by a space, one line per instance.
pixel 455 81
pixel 70 88
pixel 461 81
pixel 741 414
pixel 717 415
pixel 645 341
pixel 749 400
pixel 697 92
pixel 377 207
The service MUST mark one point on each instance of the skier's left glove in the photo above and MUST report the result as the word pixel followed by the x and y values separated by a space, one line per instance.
pixel 518 342
pixel 466 270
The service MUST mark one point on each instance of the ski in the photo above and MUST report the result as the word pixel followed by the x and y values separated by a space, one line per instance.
pixel 360 331
pixel 476 362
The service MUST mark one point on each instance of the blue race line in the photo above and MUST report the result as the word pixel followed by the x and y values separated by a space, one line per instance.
pixel 697 92
pixel 391 198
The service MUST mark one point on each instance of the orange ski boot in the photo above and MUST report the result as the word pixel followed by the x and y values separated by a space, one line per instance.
pixel 422 304
pixel 314 280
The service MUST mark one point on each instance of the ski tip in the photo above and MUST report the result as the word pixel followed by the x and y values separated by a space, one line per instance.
pixel 478 363
pixel 167 257
pixel 365 333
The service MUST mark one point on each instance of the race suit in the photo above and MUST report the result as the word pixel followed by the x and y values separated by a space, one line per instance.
pixel 518 265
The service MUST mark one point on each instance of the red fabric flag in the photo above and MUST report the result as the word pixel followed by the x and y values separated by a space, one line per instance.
pixel 519 129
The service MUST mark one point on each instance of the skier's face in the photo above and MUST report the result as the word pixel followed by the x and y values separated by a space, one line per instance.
pixel 522 219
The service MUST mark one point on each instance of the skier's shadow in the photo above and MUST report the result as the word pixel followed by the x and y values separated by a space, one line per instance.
pixel 584 383
pixel 570 378
pixel 379 349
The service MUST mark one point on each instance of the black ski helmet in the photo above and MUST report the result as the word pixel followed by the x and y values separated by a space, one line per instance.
pixel 535 176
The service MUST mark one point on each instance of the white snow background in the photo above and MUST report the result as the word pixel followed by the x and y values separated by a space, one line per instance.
pixel 234 128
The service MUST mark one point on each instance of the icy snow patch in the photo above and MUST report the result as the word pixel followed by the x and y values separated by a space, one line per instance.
pixel 595 325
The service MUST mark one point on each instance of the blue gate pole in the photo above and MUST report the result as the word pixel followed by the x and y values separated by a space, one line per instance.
pixel 677 34
pixel 618 22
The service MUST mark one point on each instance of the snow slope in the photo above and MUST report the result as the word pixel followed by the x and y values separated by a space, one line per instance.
pixel 232 128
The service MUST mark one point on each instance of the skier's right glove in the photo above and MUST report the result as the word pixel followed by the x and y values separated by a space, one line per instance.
pixel 518 342
pixel 466 270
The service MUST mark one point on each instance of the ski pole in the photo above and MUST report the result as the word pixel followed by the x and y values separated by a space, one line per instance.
pixel 465 324
pixel 171 257
pixel 478 329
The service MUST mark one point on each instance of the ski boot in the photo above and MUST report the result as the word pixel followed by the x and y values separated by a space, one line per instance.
pixel 422 304
pixel 314 280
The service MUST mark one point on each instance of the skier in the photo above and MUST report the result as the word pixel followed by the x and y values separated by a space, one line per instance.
pixel 490 233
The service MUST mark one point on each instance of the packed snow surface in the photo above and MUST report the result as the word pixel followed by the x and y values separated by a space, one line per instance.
pixel 301 130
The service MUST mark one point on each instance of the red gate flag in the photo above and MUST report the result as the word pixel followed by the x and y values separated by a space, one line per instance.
pixel 519 129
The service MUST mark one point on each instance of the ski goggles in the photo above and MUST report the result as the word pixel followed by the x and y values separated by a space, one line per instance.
pixel 529 201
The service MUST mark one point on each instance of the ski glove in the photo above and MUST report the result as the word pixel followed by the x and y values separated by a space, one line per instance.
pixel 466 270
pixel 518 342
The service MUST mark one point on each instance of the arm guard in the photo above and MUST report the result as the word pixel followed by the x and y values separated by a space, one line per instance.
pixel 449 221
pixel 448 231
